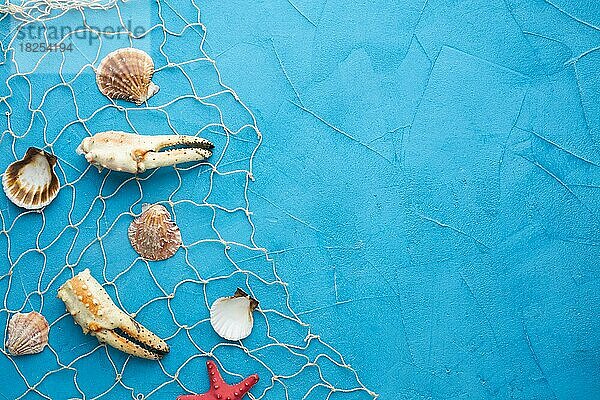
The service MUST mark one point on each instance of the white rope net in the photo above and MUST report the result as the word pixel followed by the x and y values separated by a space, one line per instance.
pixel 48 99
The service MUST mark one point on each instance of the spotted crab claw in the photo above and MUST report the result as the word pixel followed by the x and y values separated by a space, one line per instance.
pixel 128 152
pixel 93 309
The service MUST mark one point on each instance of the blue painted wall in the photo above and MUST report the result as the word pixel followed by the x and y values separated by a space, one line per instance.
pixel 431 178
pixel 428 185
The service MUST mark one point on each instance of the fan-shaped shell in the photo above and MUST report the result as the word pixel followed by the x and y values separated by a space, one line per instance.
pixel 126 74
pixel 31 182
pixel 153 234
pixel 231 317
pixel 27 333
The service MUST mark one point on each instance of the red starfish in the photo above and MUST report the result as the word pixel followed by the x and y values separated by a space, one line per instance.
pixel 219 389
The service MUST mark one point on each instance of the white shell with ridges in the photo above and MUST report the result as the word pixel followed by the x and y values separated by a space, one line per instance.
pixel 31 182
pixel 231 317
pixel 27 333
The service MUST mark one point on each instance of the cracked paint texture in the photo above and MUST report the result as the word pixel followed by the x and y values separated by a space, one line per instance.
pixel 429 184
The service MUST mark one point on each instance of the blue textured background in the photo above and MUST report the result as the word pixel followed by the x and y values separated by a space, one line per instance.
pixel 445 235
pixel 429 185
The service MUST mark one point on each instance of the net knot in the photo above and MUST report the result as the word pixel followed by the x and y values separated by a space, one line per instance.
pixel 13 9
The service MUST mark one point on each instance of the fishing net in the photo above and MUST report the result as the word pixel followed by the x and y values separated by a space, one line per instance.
pixel 49 99
pixel 40 10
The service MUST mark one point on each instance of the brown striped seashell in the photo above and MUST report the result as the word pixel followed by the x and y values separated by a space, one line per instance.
pixel 153 234
pixel 31 182
pixel 27 333
pixel 126 74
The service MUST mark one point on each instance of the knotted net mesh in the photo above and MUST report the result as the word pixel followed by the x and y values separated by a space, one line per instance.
pixel 49 99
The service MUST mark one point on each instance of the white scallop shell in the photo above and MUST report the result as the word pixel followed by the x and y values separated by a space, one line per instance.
pixel 127 74
pixel 231 317
pixel 31 182
pixel 27 333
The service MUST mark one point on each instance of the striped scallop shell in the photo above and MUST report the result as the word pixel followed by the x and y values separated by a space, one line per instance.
pixel 31 182
pixel 231 317
pixel 126 74
pixel 27 333
pixel 153 234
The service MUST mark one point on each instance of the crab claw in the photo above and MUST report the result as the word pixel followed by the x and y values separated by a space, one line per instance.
pixel 133 153
pixel 183 149
pixel 134 339
pixel 93 309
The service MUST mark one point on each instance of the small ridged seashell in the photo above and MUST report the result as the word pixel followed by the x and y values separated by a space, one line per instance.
pixel 153 234
pixel 126 74
pixel 31 182
pixel 231 317
pixel 27 333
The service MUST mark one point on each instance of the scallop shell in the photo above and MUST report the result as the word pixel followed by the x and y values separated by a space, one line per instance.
pixel 31 182
pixel 153 234
pixel 27 333
pixel 127 74
pixel 231 317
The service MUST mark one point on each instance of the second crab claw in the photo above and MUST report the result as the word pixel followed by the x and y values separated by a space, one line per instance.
pixel 93 309
pixel 129 152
